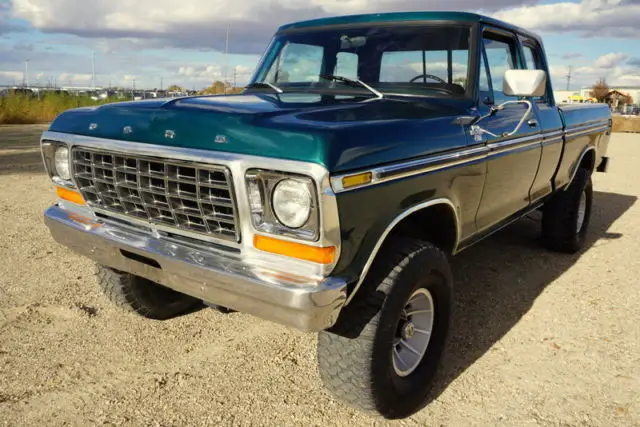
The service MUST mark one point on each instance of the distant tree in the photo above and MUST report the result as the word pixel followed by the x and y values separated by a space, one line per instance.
pixel 600 90
pixel 217 87
pixel 175 88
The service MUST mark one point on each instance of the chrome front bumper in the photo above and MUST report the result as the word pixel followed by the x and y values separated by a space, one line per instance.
pixel 215 277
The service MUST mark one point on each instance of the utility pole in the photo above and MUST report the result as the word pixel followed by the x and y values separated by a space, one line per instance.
pixel 133 91
pixel 226 58
pixel 569 78
pixel 26 72
pixel 235 76
pixel 93 70
pixel 161 84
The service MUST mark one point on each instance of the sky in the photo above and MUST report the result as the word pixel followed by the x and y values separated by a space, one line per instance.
pixel 151 43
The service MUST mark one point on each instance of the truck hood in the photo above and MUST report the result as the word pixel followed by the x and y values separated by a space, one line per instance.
pixel 340 136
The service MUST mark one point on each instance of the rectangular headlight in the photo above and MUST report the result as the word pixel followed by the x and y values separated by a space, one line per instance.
pixel 57 162
pixel 283 204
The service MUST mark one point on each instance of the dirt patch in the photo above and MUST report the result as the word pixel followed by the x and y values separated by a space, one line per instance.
pixel 538 338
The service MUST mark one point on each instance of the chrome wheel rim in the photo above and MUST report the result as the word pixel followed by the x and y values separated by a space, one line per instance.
pixel 582 211
pixel 413 333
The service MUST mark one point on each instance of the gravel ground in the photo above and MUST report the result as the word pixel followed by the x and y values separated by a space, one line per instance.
pixel 538 339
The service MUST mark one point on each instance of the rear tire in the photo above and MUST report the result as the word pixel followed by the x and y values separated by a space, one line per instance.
pixel 566 215
pixel 359 360
pixel 141 296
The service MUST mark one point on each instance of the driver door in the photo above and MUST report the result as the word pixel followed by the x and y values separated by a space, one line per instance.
pixel 513 161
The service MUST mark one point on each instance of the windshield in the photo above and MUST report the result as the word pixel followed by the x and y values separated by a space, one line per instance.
pixel 427 60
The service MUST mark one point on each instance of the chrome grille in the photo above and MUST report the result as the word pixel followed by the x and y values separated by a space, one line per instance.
pixel 171 195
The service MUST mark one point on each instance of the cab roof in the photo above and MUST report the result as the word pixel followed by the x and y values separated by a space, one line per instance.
pixel 400 17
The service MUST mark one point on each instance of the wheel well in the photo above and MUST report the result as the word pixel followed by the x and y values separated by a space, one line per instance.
pixel 588 161
pixel 436 224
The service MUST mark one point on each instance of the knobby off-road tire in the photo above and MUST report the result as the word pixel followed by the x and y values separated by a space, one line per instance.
pixel 566 215
pixel 141 296
pixel 356 357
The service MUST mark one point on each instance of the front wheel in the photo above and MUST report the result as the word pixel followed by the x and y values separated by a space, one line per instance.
pixel 141 296
pixel 384 352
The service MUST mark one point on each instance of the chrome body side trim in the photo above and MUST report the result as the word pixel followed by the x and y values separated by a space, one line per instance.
pixel 238 164
pixel 469 155
pixel 588 125
pixel 392 225
pixel 553 134
pixel 436 162
pixel 586 131
pixel 551 141
pixel 429 164
pixel 230 280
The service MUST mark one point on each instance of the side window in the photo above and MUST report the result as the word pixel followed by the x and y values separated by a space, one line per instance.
pixel 532 60
pixel 347 65
pixel 297 63
pixel 501 55
pixel 483 83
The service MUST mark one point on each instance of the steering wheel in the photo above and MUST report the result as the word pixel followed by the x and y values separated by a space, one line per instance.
pixel 429 76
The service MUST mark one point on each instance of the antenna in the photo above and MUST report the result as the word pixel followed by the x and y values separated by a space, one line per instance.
pixel 569 78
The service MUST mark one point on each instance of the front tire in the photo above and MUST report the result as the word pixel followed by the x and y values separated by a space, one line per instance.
pixel 141 296
pixel 566 216
pixel 384 352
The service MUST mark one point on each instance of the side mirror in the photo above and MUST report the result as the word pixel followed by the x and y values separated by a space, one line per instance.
pixel 525 83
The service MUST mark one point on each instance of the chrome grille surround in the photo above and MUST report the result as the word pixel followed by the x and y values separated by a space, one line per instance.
pixel 195 200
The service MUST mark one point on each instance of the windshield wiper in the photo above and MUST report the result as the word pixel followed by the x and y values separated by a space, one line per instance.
pixel 353 82
pixel 265 84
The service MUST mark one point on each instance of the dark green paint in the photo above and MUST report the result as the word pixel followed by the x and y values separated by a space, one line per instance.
pixel 403 17
pixel 366 213
pixel 339 136
pixel 351 136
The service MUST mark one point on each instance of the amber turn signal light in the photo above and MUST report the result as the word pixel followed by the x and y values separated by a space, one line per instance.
pixel 295 250
pixel 356 180
pixel 70 195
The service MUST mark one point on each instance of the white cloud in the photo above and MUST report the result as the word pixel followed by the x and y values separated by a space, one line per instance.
pixel 203 23
pixel 16 76
pixel 610 60
pixel 590 18
pixel 72 78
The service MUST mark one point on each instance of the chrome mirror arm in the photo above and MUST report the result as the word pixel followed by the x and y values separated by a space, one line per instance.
pixel 477 131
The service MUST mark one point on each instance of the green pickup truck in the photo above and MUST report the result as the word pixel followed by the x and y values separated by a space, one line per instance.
pixel 329 195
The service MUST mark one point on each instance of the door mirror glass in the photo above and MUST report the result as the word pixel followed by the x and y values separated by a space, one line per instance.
pixel 525 83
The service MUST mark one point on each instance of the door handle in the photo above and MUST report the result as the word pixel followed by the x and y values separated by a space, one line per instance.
pixel 532 123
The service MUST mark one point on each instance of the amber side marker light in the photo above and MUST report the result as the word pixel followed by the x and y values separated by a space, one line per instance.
pixel 356 180
pixel 295 250
pixel 70 195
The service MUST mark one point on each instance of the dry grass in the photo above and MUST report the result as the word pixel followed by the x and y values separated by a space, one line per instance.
pixel 626 124
pixel 20 109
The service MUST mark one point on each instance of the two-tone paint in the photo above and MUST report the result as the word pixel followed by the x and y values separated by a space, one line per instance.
pixel 420 151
